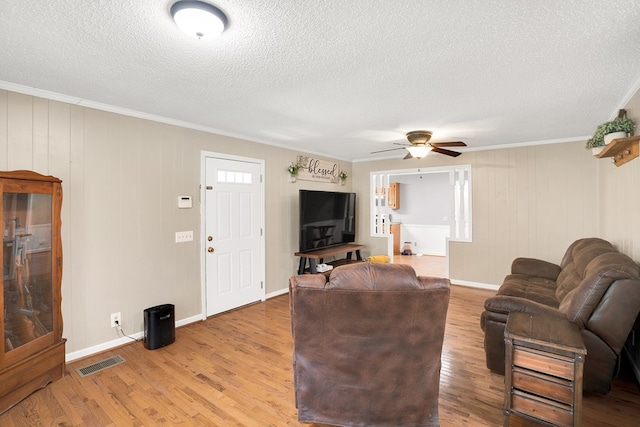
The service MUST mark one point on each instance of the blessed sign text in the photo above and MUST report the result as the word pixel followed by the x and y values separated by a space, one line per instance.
pixel 311 169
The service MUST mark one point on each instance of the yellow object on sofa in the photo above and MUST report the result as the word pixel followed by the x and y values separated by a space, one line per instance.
pixel 378 258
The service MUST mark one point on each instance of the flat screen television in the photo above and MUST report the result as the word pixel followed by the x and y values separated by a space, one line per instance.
pixel 327 218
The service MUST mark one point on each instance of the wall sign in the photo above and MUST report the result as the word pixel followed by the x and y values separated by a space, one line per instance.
pixel 311 169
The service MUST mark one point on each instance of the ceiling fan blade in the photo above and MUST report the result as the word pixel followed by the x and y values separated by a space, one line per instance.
pixel 448 144
pixel 408 156
pixel 390 149
pixel 445 152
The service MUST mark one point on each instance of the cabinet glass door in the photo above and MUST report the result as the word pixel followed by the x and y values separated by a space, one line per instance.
pixel 26 267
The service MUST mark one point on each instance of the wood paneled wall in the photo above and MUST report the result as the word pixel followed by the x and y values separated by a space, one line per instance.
pixel 620 196
pixel 529 201
pixel 121 177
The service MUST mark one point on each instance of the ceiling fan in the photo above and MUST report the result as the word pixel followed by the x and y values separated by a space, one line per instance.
pixel 419 145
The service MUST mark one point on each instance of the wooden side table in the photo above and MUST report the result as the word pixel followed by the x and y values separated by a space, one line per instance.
pixel 543 369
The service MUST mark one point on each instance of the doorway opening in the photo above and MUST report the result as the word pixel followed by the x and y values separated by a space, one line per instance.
pixel 420 210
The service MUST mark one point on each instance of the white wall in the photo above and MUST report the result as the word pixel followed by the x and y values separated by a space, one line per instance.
pixel 425 239
pixel 425 198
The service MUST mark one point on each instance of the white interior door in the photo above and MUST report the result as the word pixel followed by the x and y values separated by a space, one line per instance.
pixel 233 241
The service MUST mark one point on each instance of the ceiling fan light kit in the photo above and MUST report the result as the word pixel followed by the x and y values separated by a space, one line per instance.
pixel 198 19
pixel 419 151
pixel 420 146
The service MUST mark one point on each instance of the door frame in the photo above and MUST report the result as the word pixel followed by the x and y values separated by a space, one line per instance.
pixel 203 241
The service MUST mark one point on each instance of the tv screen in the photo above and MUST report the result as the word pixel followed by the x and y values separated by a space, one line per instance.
pixel 327 218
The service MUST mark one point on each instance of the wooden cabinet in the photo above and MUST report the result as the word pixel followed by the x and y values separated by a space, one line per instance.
pixel 395 230
pixel 394 195
pixel 33 350
pixel 543 369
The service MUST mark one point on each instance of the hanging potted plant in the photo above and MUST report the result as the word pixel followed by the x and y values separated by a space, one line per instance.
pixel 343 176
pixel 620 127
pixel 293 172
pixel 596 142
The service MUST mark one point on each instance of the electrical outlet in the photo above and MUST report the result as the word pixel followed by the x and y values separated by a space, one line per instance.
pixel 115 317
pixel 184 236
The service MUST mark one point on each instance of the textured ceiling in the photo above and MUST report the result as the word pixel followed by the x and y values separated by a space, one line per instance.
pixel 340 78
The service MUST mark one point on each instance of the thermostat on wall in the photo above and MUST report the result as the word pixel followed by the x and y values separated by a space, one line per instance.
pixel 185 202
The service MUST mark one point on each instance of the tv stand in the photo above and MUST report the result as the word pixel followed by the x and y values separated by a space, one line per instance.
pixel 320 254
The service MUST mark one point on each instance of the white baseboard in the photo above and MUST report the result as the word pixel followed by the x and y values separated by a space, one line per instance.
pixel 70 357
pixel 477 285
pixel 75 355
pixel 277 293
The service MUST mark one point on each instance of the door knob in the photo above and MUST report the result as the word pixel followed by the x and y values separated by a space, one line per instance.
pixel 209 238
pixel 210 249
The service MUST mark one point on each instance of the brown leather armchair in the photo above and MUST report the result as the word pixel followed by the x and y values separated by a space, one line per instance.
pixel 367 345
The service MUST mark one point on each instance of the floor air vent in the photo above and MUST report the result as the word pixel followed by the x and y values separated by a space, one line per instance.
pixel 100 366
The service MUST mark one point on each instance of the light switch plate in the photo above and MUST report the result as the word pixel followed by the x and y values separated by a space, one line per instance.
pixel 185 202
pixel 184 236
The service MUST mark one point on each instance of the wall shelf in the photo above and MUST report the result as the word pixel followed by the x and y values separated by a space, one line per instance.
pixel 622 150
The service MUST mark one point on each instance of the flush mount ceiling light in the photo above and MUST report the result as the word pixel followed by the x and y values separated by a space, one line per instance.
pixel 198 19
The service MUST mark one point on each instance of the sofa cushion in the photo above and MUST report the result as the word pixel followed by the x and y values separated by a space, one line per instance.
pixel 568 279
pixel 580 245
pixel 588 250
pixel 576 260
pixel 579 303
pixel 532 288
pixel 535 267
pixel 498 308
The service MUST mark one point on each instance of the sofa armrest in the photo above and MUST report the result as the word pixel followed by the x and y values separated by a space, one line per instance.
pixel 504 304
pixel 535 267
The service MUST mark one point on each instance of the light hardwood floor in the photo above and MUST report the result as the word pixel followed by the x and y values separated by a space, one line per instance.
pixel 235 369
pixel 424 265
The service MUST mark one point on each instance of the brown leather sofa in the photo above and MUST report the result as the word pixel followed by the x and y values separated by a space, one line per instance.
pixel 367 345
pixel 595 287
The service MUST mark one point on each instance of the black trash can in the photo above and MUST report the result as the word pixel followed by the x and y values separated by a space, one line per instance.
pixel 159 326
